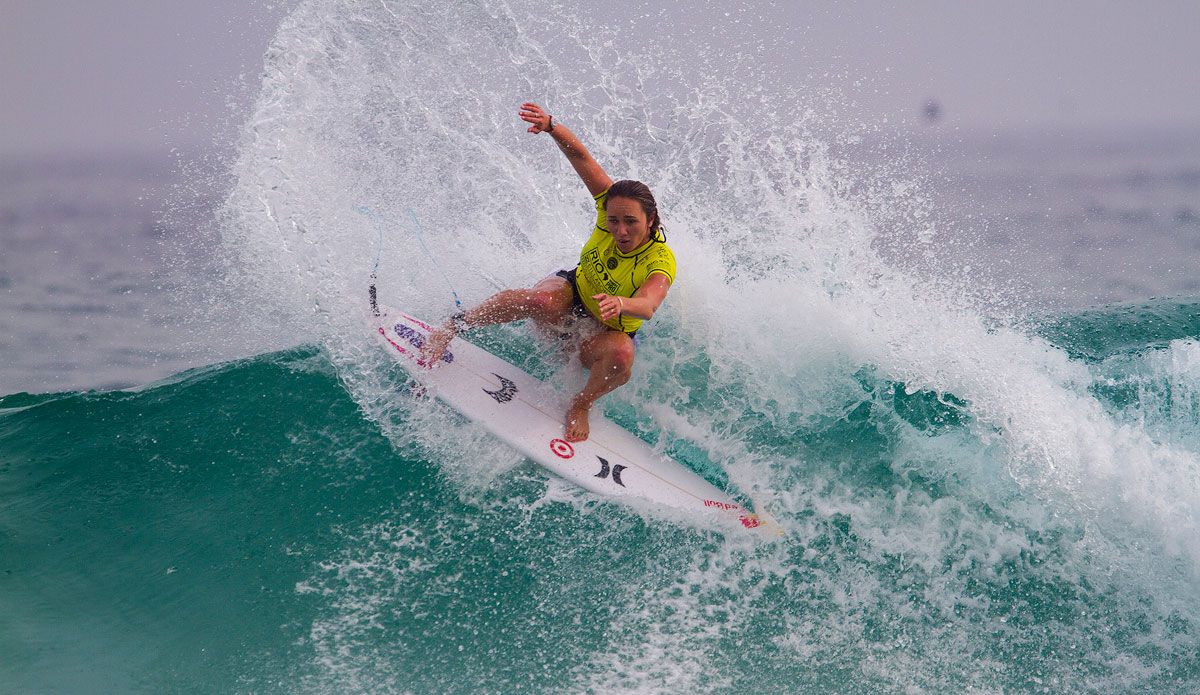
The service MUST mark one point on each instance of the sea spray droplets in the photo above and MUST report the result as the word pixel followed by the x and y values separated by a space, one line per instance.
pixel 960 510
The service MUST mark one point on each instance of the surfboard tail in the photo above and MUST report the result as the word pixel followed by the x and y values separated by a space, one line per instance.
pixel 762 518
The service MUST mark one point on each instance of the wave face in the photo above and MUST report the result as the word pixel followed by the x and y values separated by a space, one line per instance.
pixel 243 528
pixel 970 504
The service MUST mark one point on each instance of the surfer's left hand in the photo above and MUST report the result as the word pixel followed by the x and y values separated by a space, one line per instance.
pixel 532 113
pixel 610 306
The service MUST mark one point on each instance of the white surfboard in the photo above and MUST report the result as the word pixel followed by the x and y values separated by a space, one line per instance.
pixel 527 414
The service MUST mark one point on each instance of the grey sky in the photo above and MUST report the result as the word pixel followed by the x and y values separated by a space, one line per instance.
pixel 147 75
pixel 1023 63
pixel 126 74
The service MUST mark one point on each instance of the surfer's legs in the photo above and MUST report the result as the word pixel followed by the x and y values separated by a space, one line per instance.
pixel 609 358
pixel 545 302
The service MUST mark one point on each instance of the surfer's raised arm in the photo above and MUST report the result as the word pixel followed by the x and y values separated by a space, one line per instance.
pixel 624 271
pixel 585 165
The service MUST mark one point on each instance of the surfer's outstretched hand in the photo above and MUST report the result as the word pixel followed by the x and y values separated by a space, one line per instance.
pixel 532 113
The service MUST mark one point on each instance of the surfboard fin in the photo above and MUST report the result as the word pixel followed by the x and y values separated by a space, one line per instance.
pixel 764 517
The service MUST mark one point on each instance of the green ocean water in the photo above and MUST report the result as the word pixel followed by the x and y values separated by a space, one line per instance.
pixel 980 491
pixel 245 527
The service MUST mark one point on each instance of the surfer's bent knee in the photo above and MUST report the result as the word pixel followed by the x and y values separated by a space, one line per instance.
pixel 548 301
pixel 613 347
pixel 544 302
pixel 622 353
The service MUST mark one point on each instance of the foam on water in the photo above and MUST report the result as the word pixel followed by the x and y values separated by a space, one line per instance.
pixel 959 498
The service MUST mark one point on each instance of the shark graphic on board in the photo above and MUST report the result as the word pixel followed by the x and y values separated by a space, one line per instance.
pixel 506 391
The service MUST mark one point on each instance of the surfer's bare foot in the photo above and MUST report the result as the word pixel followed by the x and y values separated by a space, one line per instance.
pixel 577 422
pixel 435 345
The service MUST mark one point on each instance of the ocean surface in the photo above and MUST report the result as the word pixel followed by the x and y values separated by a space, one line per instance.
pixel 961 370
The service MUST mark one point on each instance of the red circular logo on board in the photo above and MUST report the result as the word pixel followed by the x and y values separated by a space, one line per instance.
pixel 561 448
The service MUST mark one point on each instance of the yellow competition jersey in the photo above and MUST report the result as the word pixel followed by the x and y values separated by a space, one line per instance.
pixel 603 269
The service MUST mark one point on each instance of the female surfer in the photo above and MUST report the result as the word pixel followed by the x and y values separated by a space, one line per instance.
pixel 624 272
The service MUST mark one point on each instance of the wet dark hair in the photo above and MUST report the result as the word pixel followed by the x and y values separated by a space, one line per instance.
pixel 640 192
